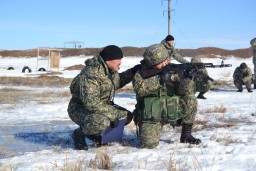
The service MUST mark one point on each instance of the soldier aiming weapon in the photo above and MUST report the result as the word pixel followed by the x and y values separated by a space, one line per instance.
pixel 186 70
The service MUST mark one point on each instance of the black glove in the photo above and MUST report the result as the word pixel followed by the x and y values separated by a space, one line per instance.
pixel 165 77
pixel 174 77
pixel 114 123
pixel 135 68
pixel 190 73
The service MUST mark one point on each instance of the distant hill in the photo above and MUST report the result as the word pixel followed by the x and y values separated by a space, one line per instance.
pixel 207 52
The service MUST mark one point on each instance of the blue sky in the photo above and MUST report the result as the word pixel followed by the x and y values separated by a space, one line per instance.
pixel 27 24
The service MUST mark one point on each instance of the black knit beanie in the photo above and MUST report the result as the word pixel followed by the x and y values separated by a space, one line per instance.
pixel 169 38
pixel 111 52
pixel 243 65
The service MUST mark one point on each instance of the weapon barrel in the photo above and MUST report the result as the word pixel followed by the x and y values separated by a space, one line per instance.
pixel 150 72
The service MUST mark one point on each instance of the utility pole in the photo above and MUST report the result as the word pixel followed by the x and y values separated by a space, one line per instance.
pixel 169 17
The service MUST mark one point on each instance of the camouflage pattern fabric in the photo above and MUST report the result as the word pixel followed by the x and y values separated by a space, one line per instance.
pixel 93 89
pixel 253 46
pixel 149 131
pixel 185 90
pixel 196 60
pixel 159 53
pixel 202 84
pixel 191 102
pixel 150 134
pixel 151 87
pixel 242 77
pixel 173 53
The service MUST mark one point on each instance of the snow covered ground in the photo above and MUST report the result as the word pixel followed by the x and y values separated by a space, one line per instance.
pixel 36 135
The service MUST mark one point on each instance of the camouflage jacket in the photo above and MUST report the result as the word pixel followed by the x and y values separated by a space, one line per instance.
pixel 253 43
pixel 173 53
pixel 145 87
pixel 202 72
pixel 93 89
pixel 242 75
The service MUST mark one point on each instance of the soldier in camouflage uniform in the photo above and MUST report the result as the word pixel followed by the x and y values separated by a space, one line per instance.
pixel 159 102
pixel 93 89
pixel 253 46
pixel 202 80
pixel 168 43
pixel 185 87
pixel 243 76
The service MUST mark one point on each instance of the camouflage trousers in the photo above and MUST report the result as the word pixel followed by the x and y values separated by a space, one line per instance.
pixel 239 84
pixel 185 90
pixel 201 85
pixel 150 132
pixel 254 60
pixel 95 123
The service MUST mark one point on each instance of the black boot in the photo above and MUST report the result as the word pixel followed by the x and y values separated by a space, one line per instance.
pixel 97 140
pixel 186 136
pixel 201 96
pixel 79 139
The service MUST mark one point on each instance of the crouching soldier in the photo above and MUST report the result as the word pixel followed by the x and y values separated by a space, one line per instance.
pixel 93 89
pixel 158 101
pixel 202 80
pixel 243 76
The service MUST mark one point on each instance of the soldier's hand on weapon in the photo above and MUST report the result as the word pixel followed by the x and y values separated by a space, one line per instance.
pixel 191 73
pixel 170 77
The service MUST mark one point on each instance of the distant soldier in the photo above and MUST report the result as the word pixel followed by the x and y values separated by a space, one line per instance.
pixel 253 46
pixel 202 80
pixel 243 76
pixel 162 99
pixel 93 89
pixel 168 43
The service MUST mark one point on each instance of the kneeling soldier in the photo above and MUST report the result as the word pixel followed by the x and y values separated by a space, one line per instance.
pixel 162 99
pixel 93 89
pixel 243 76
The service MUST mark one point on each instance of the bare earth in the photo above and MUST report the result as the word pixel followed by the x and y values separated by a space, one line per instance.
pixel 206 52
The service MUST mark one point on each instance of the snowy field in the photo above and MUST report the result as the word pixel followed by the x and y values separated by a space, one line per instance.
pixel 36 135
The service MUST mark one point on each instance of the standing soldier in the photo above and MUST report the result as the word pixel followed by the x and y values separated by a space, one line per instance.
pixel 168 43
pixel 253 46
pixel 162 99
pixel 202 80
pixel 92 105
pixel 243 76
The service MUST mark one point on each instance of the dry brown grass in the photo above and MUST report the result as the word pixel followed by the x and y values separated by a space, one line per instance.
pixel 172 164
pixel 220 109
pixel 222 84
pixel 227 140
pixel 101 161
pixel 74 166
pixel 14 96
pixel 200 122
pixel 9 167
pixel 40 81
pixel 75 67
pixel 52 73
